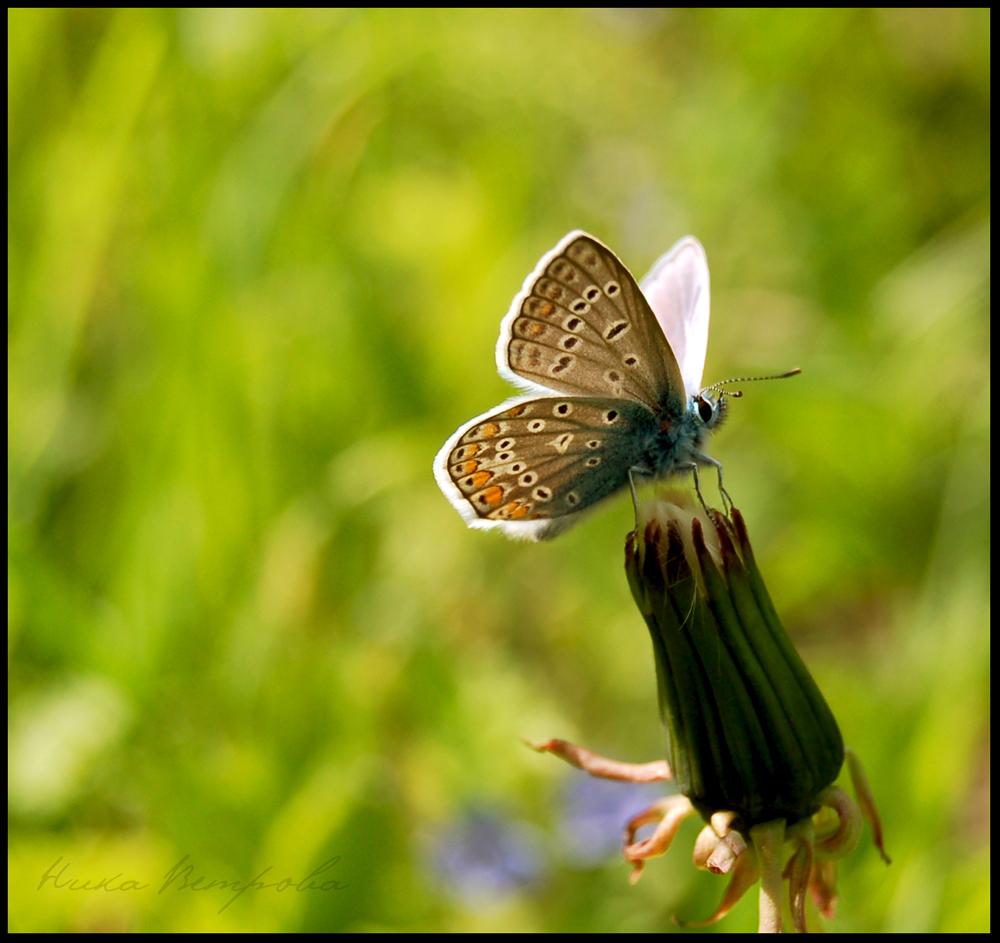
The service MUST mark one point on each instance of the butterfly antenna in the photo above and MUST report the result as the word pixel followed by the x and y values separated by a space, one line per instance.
pixel 795 371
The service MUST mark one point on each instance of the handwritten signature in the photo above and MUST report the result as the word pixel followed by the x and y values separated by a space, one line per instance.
pixel 182 877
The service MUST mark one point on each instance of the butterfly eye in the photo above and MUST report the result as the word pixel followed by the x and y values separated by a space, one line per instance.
pixel 706 410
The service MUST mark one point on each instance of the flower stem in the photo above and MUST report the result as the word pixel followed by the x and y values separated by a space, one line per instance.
pixel 768 840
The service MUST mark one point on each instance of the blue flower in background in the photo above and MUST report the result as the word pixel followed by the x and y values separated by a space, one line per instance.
pixel 595 812
pixel 485 854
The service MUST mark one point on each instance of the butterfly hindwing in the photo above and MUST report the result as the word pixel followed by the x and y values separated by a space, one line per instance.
pixel 527 466
pixel 581 325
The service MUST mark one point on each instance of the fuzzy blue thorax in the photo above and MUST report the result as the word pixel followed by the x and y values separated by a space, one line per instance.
pixel 681 434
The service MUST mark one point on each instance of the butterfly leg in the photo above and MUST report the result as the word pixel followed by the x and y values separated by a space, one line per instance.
pixel 635 499
pixel 697 486
pixel 631 485
pixel 727 501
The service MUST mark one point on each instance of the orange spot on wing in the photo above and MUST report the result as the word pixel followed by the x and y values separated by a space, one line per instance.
pixel 546 308
pixel 488 430
pixel 491 496
pixel 516 411
pixel 533 329
pixel 466 468
pixel 512 511
pixel 480 478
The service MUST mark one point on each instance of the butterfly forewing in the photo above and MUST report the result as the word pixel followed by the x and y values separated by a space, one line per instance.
pixel 539 460
pixel 677 289
pixel 581 325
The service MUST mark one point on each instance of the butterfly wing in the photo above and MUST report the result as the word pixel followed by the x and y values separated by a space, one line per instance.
pixel 530 466
pixel 677 291
pixel 581 325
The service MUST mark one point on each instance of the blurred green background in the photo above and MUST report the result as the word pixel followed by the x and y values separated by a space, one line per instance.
pixel 256 267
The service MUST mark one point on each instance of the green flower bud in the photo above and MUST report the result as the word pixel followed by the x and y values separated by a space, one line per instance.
pixel 748 731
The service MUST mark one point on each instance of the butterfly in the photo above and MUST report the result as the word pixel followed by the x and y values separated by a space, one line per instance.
pixel 614 372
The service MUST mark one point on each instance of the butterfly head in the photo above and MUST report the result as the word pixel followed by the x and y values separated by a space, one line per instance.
pixel 711 410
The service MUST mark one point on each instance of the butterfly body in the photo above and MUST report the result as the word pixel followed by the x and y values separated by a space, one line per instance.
pixel 614 390
pixel 681 435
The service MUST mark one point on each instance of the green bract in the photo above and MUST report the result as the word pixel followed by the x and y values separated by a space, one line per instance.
pixel 747 728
